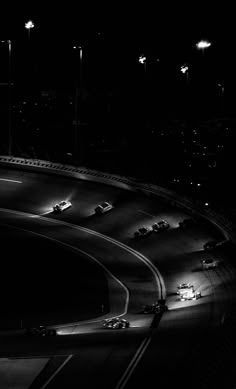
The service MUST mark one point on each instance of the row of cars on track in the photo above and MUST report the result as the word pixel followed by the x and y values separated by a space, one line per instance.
pixel 105 207
pixel 142 231
pixel 111 323
pixel 65 204
pixel 185 291
pixel 156 227
pixel 118 323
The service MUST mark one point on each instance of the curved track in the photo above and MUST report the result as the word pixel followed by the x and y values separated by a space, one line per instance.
pixel 134 270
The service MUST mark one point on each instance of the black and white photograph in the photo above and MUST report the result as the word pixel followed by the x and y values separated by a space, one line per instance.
pixel 117 196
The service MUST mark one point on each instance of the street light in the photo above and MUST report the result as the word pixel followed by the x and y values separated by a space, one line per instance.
pixel 77 106
pixel 9 99
pixel 202 45
pixel 143 60
pixel 222 88
pixel 184 69
pixel 28 26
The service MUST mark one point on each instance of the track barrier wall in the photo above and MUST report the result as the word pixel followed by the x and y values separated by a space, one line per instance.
pixel 192 207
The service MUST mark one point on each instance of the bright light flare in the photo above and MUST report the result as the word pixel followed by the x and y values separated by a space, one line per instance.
pixel 29 25
pixel 203 44
pixel 66 332
pixel 184 69
pixel 142 59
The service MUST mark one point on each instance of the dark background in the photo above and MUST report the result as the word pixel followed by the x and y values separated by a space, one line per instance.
pixel 132 121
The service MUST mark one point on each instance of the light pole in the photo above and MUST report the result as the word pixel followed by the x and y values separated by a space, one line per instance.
pixel 143 60
pixel 77 106
pixel 222 89
pixel 30 77
pixel 202 45
pixel 9 99
pixel 28 26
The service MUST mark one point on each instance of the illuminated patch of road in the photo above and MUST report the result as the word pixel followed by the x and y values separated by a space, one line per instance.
pixel 8 180
pixel 42 214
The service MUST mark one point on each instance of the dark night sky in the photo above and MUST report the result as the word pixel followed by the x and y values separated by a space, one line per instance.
pixel 157 29
pixel 168 28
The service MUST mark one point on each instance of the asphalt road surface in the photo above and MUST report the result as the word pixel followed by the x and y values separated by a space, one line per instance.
pixel 72 269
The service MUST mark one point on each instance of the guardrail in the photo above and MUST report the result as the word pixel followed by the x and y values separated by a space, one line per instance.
pixel 128 183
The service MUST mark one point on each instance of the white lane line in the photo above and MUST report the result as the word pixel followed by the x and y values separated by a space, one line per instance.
pixel 160 282
pixel 139 210
pixel 157 275
pixel 4 179
pixel 57 371
pixel 90 256
pixel 133 363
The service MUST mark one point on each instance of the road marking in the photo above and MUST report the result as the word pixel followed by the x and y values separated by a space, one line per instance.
pixel 157 275
pixel 152 267
pixel 4 179
pixel 133 363
pixel 139 210
pixel 160 282
pixel 57 371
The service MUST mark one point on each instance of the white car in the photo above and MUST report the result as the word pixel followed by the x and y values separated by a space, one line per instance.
pixel 209 263
pixel 104 207
pixel 190 295
pixel 142 231
pixel 184 288
pixel 116 323
pixel 62 206
pixel 160 226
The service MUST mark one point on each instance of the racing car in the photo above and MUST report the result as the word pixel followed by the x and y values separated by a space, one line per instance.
pixel 103 208
pixel 184 288
pixel 116 323
pixel 142 231
pixel 209 263
pixel 62 206
pixel 190 295
pixel 160 226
